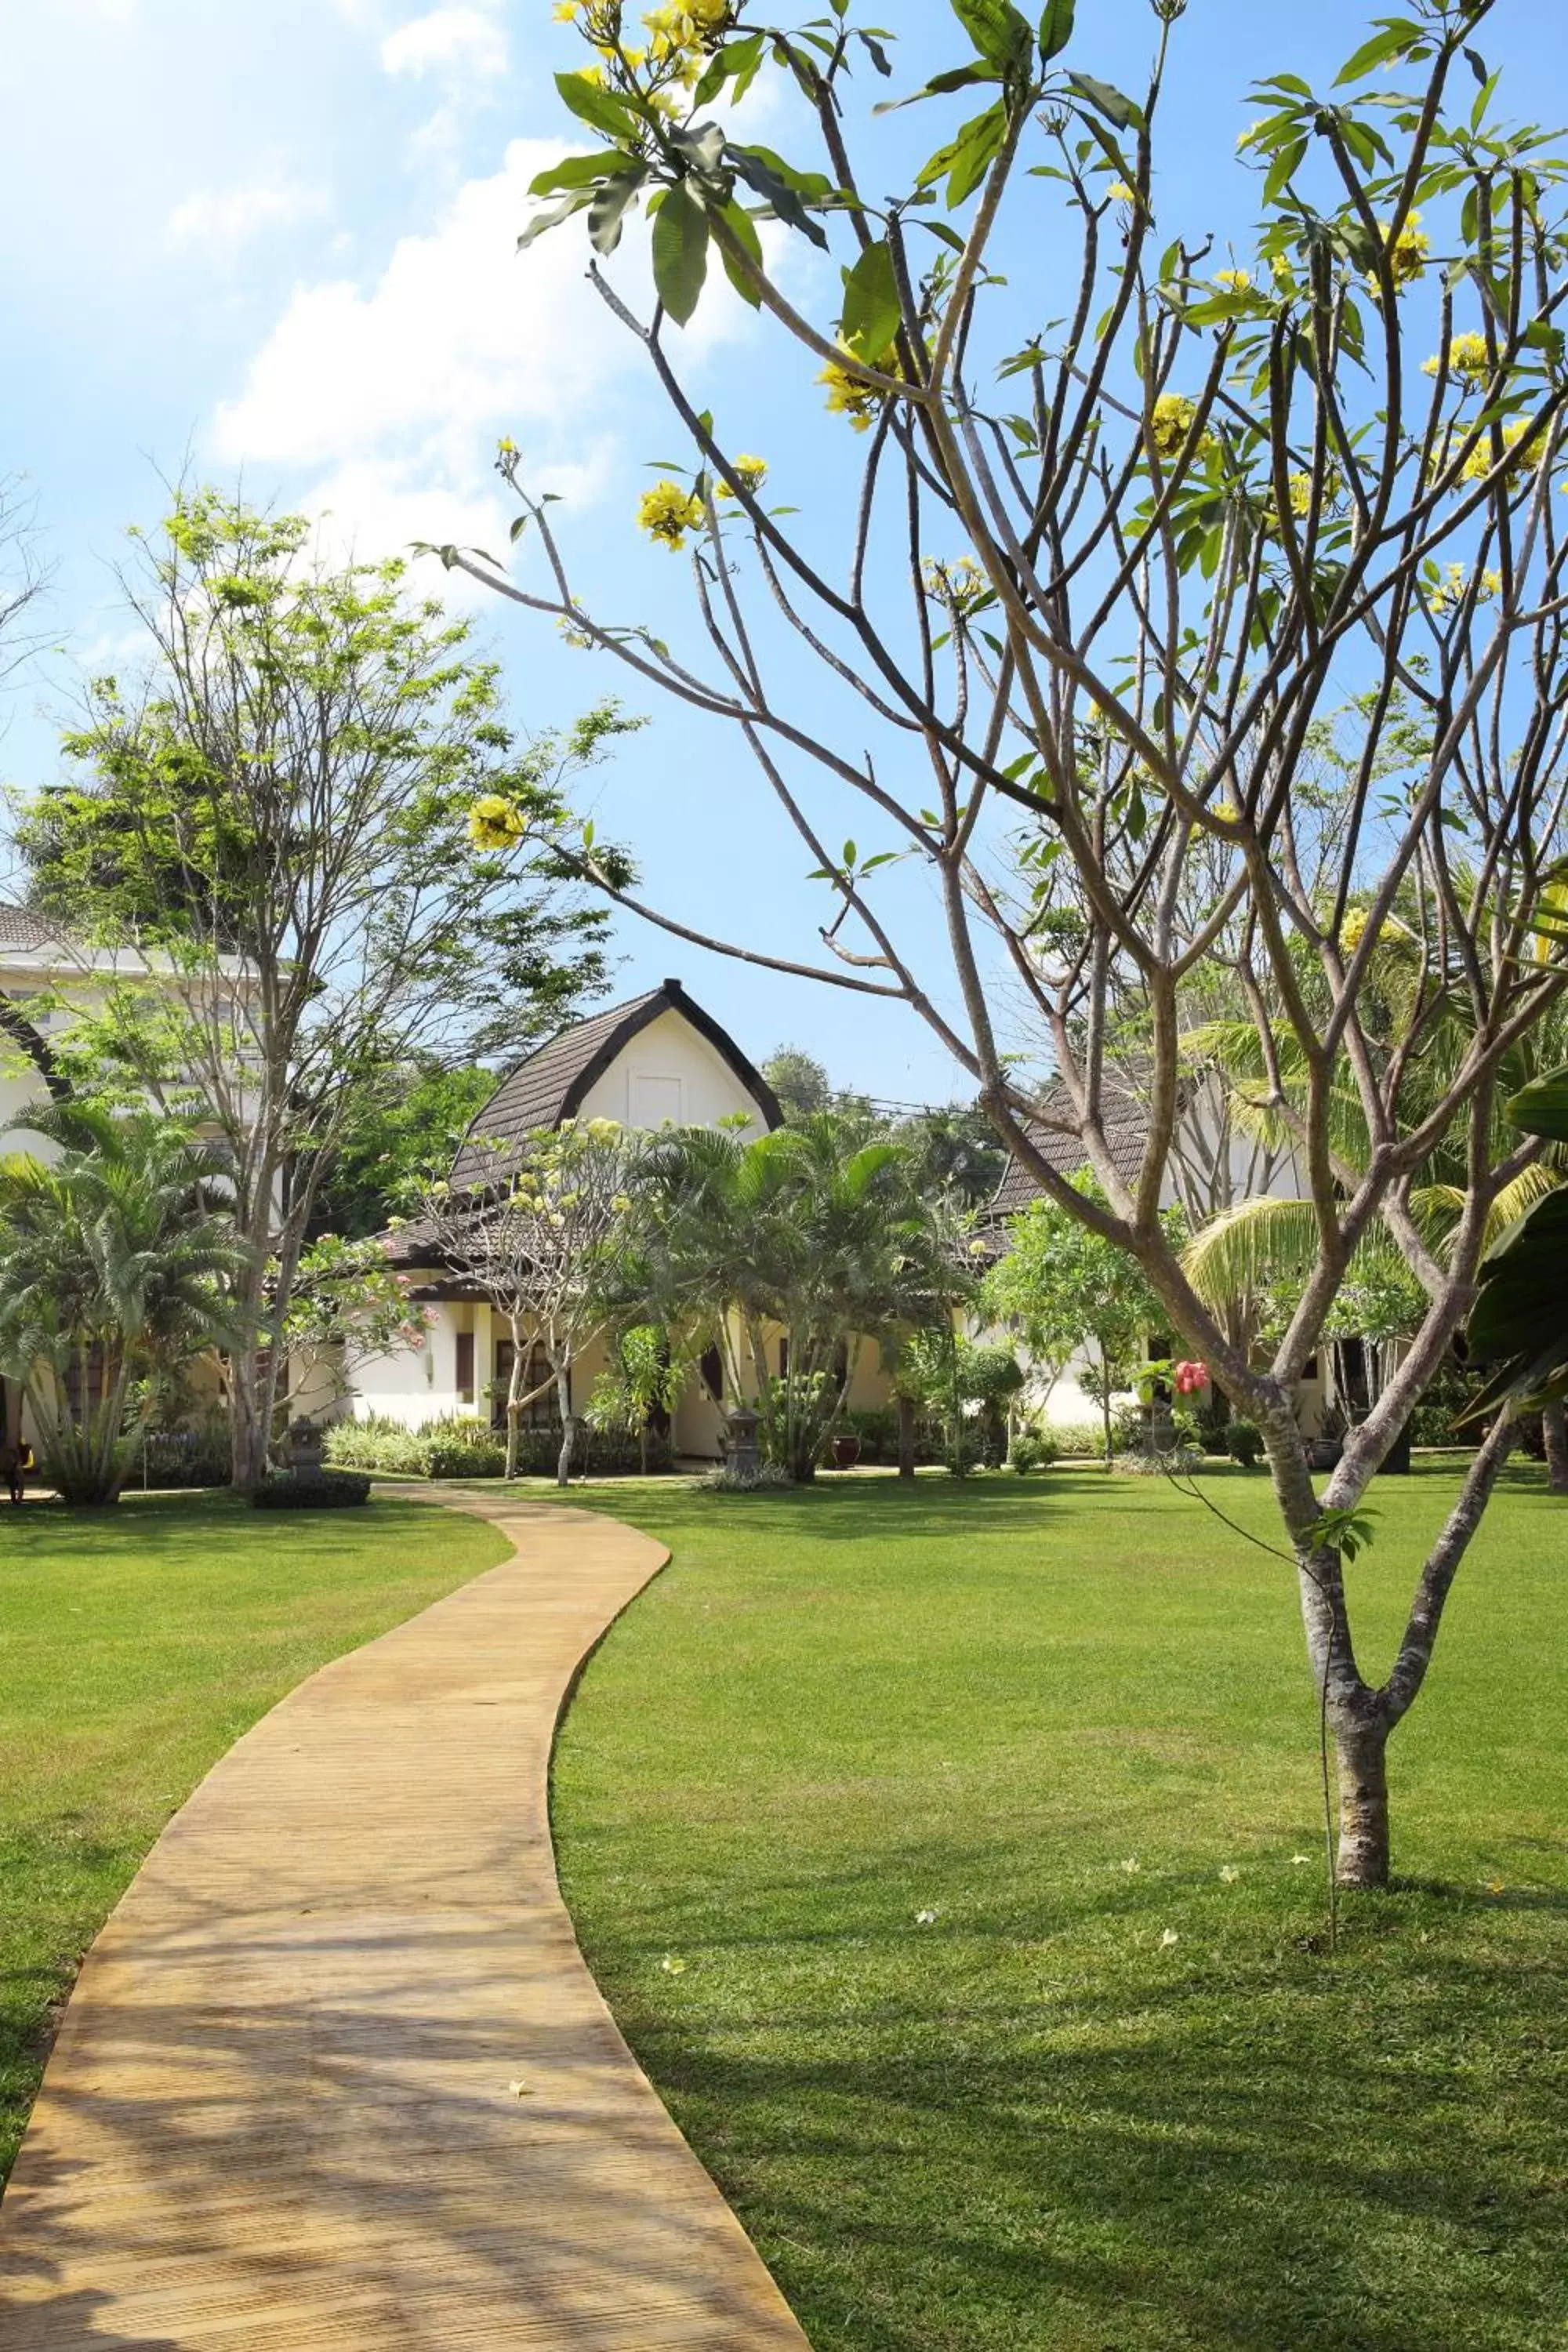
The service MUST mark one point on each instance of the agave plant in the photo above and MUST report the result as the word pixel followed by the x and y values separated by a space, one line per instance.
pixel 116 1265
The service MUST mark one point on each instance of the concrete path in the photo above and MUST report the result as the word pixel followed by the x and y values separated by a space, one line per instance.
pixel 281 2113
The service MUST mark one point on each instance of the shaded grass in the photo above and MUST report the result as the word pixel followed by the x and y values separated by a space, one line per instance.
pixel 135 1646
pixel 1092 2107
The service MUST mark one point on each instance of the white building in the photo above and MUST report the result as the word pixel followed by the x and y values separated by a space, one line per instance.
pixel 658 1061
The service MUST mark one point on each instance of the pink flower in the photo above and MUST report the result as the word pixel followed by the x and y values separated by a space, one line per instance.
pixel 1191 1377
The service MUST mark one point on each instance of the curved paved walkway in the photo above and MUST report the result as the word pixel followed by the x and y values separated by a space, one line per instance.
pixel 280 2115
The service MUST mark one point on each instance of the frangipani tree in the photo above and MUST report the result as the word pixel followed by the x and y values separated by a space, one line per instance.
pixel 1128 523
pixel 541 1231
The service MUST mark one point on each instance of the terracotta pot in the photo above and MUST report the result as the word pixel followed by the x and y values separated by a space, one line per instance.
pixel 845 1452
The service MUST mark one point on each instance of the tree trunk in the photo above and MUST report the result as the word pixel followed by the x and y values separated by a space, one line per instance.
pixel 568 1426
pixel 250 1436
pixel 906 1437
pixel 1554 1430
pixel 1362 1749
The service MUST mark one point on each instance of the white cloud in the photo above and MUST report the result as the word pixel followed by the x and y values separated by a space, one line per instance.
pixel 219 221
pixel 386 400
pixel 455 43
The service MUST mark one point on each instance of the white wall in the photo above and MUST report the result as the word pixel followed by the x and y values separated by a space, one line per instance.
pixel 669 1074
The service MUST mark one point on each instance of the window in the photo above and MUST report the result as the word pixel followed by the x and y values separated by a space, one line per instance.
pixel 466 1367
pixel 713 1370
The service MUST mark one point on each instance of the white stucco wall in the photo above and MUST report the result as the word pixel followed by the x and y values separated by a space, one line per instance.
pixel 669 1075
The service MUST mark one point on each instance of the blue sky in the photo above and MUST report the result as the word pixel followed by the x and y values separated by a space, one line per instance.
pixel 275 240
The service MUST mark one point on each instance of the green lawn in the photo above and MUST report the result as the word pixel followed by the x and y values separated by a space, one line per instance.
pixel 135 1646
pixel 1115 2097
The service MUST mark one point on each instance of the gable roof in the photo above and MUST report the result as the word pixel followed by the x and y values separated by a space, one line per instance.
pixel 550 1087
pixel 1126 1135
pixel 21 928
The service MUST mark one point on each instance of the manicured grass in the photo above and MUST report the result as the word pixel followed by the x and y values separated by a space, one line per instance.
pixel 1116 2097
pixel 135 1646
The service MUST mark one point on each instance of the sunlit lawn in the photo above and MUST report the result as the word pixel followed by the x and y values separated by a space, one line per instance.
pixel 135 1646
pixel 1115 2097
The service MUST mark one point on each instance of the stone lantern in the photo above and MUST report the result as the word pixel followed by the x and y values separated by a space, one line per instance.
pixel 742 1428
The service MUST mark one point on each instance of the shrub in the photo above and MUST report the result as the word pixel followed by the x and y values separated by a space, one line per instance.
pixel 1074 1439
pixel 192 1453
pixel 1032 1449
pixel 1177 1462
pixel 460 1445
pixel 334 1490
pixel 729 1480
pixel 876 1427
pixel 1244 1442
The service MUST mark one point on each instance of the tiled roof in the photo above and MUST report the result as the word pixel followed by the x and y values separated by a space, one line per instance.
pixel 550 1085
pixel 1054 1136
pixel 21 928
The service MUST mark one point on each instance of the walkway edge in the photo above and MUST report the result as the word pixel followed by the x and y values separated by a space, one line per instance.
pixel 335 2073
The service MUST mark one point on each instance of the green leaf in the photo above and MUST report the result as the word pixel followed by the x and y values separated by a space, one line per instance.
pixel 1393 41
pixel 1056 28
pixel 680 252
pixel 578 170
pixel 1523 1306
pixel 607 211
pixel 1107 100
pixel 591 104
pixel 554 217
pixel 941 84
pixel 784 191
pixel 1541 1108
pixel 872 309
pixel 998 31
pixel 968 158
pixel 743 229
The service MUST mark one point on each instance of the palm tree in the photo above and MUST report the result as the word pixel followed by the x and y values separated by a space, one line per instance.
pixel 116 1265
pixel 813 1242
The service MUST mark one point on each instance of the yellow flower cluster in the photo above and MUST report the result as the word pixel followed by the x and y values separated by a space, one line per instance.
pixel 495 823
pixel 1301 491
pixel 1478 464
pixel 751 471
pixel 847 396
pixel 1469 360
pixel 668 512
pixel 959 585
pixel 683 35
pixel 1170 423
pixel 1407 256
pixel 1450 590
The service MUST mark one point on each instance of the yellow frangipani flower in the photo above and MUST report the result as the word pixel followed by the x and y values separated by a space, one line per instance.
pixel 1479 462
pixel 847 396
pixel 564 12
pixel 668 512
pixel 753 472
pixel 1468 359
pixel 1123 192
pixel 1234 281
pixel 1170 423
pixel 1407 256
pixel 495 822
pixel 1301 491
